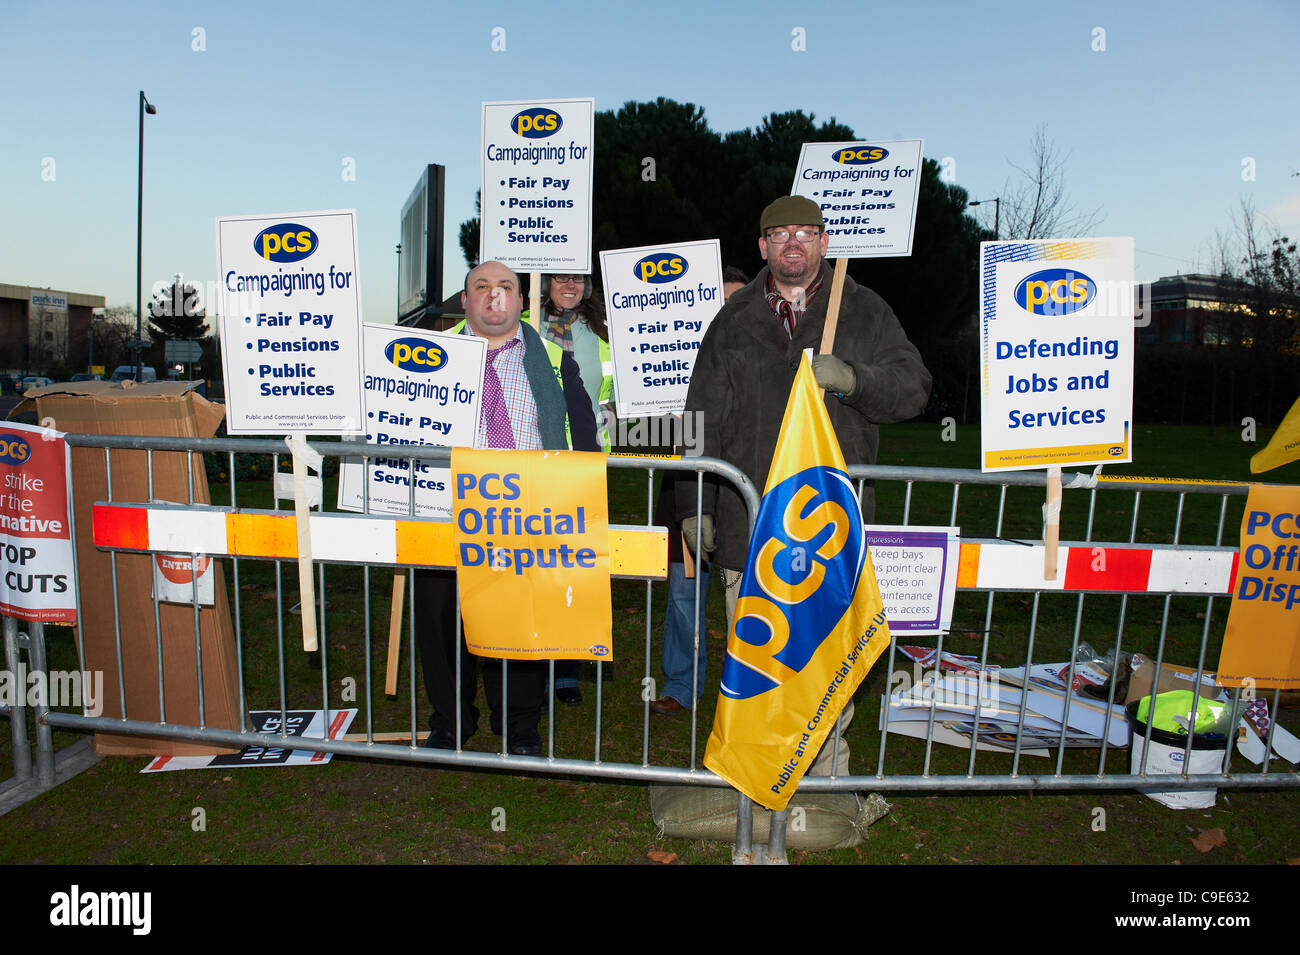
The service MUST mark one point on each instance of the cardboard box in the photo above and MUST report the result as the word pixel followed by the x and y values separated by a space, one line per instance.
pixel 169 409
pixel 1171 678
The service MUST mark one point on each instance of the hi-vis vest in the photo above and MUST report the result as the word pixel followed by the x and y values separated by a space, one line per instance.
pixel 606 394
pixel 607 373
pixel 554 354
pixel 606 390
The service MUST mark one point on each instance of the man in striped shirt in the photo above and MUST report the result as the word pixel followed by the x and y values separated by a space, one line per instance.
pixel 525 405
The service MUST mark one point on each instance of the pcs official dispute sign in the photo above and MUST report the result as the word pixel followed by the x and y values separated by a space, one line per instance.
pixel 531 531
pixel 1261 645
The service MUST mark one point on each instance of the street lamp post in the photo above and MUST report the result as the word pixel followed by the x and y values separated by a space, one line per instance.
pixel 997 213
pixel 90 339
pixel 145 107
pixel 399 281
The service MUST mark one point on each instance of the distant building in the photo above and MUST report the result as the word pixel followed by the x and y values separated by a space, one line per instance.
pixel 1192 309
pixel 41 327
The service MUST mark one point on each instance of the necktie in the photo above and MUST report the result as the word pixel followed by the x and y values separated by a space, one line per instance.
pixel 496 419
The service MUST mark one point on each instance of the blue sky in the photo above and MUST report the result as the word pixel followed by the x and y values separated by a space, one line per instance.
pixel 261 120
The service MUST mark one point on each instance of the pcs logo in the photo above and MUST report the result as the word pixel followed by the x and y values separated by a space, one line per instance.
pixel 660 267
pixel 286 242
pixel 598 650
pixel 860 155
pixel 805 559
pixel 14 449
pixel 1115 450
pixel 536 123
pixel 415 354
pixel 1055 292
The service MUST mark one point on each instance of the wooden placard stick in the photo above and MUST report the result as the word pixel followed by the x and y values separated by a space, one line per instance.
pixel 1052 516
pixel 535 301
pixel 302 518
pixel 395 633
pixel 833 308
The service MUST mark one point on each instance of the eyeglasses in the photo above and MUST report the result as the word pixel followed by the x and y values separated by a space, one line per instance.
pixel 781 236
pixel 568 279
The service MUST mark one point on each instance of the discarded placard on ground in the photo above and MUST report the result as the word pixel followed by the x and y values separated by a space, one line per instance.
pixel 305 725
pixel 963 691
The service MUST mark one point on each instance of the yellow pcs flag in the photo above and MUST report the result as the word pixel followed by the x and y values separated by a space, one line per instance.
pixel 1283 447
pixel 809 620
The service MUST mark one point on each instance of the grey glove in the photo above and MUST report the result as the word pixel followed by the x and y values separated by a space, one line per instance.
pixel 834 375
pixel 705 525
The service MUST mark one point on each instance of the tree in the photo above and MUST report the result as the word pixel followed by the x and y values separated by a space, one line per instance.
pixel 1249 334
pixel 469 230
pixel 115 337
pixel 1035 204
pixel 655 171
pixel 174 312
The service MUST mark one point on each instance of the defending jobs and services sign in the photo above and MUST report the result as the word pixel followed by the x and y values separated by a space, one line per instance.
pixel 536 184
pixel 661 299
pixel 421 388
pixel 867 193
pixel 291 323
pixel 1056 352
pixel 531 531
pixel 37 581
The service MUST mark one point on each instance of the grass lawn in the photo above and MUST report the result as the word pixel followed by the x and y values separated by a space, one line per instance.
pixel 355 810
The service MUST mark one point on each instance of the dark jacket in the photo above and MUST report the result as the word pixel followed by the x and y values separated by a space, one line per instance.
pixel 742 378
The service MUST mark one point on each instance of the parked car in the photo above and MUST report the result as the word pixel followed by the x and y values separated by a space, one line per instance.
pixel 86 376
pixel 9 384
pixel 35 381
pixel 127 373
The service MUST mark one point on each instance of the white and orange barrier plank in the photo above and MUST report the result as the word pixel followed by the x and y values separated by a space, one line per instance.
pixel 1096 567
pixel 635 551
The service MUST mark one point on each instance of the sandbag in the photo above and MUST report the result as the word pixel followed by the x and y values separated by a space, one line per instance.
pixel 829 820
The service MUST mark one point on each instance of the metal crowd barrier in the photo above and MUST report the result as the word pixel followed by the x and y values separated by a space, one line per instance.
pixel 1167 547
pixel 373 744
pixel 35 764
pixel 923 496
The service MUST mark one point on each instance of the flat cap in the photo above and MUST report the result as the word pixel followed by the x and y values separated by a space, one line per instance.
pixel 791 210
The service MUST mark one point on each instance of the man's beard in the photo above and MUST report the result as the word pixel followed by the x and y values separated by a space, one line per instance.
pixel 793 271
